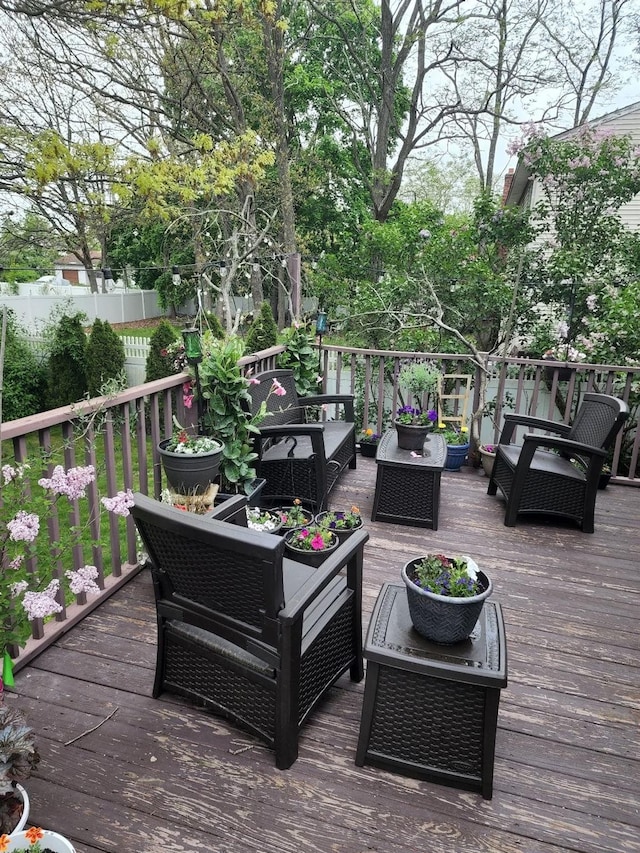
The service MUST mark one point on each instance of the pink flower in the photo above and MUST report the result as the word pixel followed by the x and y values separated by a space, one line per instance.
pixel 83 580
pixel 24 527
pixel 278 389
pixel 38 605
pixel 317 543
pixel 71 483
pixel 253 380
pixel 120 503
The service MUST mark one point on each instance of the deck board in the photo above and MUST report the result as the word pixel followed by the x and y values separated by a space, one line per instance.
pixel 567 773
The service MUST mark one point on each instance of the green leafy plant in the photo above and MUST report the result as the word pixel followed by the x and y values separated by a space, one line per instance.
pixel 301 357
pixel 104 357
pixel 454 435
pixel 449 576
pixel 421 379
pixel 263 331
pixel 340 520
pixel 18 759
pixel 296 515
pixel 160 361
pixel 67 375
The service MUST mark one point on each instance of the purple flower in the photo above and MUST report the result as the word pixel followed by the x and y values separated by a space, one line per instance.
pixel 38 605
pixel 83 580
pixel 71 483
pixel 24 527
pixel 120 503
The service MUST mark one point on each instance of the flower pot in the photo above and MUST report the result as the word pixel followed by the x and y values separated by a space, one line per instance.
pixel 342 533
pixel 19 798
pixel 287 525
pixel 441 618
pixel 456 454
pixel 564 373
pixel 603 481
pixel 487 459
pixel 50 841
pixel 253 495
pixel 272 522
pixel 308 557
pixel 190 474
pixel 412 436
pixel 368 449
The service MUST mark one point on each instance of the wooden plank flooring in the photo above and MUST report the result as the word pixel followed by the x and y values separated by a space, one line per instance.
pixel 161 775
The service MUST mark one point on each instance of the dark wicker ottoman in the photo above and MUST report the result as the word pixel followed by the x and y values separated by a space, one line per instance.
pixel 408 487
pixel 431 711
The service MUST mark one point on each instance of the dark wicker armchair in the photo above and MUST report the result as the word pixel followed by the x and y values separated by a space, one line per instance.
pixel 299 459
pixel 535 479
pixel 254 637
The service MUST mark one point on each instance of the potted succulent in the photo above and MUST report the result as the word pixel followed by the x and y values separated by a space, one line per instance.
pixel 294 516
pixel 35 840
pixel 310 544
pixel 368 441
pixel 445 595
pixel 266 520
pixel 191 462
pixel 487 457
pixel 18 758
pixel 340 522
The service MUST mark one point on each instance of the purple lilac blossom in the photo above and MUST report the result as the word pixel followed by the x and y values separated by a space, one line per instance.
pixel 24 527
pixel 40 604
pixel 120 503
pixel 71 483
pixel 83 580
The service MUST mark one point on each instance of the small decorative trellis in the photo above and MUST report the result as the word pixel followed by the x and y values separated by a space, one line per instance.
pixel 457 413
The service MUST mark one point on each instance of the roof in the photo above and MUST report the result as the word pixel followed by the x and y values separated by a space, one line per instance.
pixel 71 260
pixel 522 174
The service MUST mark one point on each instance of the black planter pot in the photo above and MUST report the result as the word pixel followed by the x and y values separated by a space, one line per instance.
pixel 411 436
pixel 368 449
pixel 309 558
pixel 342 533
pixel 253 496
pixel 190 474
pixel 440 618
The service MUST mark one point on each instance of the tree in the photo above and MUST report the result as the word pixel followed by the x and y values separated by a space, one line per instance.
pixel 28 247
pixel 263 331
pixel 66 369
pixel 104 357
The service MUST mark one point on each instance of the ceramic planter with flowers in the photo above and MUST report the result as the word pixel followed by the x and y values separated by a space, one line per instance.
pixel 368 441
pixel 413 425
pixel 35 840
pixel 191 463
pixel 310 544
pixel 457 440
pixel 487 457
pixel 342 523
pixel 445 595
pixel 18 759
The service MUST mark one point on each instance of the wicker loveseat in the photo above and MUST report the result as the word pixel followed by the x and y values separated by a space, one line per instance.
pixel 301 459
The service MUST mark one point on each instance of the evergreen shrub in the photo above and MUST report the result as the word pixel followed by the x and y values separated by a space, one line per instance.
pixel 263 331
pixel 105 357
pixel 66 373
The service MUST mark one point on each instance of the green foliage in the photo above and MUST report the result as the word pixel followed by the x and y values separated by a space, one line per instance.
pixel 227 417
pixel 214 325
pixel 263 331
pixel 24 379
pixel 160 363
pixel 28 247
pixel 301 357
pixel 104 357
pixel 67 376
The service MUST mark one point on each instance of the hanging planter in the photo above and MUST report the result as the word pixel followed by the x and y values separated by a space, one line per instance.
pixel 449 615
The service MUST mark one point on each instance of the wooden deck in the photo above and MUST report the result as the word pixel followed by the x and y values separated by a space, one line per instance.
pixel 161 775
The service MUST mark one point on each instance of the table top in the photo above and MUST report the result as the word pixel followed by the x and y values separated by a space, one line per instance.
pixel 434 452
pixel 392 640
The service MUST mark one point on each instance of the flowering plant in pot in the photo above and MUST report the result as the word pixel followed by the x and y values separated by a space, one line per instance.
pixel 267 520
pixel 487 457
pixel 295 516
pixel 310 544
pixel 191 462
pixel 35 840
pixel 445 595
pixel 18 759
pixel 412 425
pixel 341 522
pixel 368 441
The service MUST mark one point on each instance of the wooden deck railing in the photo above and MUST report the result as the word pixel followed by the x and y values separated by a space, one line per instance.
pixel 125 429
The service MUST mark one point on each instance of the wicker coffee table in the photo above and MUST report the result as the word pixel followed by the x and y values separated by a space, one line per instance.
pixel 431 711
pixel 408 487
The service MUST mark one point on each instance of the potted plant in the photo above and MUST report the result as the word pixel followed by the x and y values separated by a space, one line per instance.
pixel 368 441
pixel 457 440
pixel 191 462
pixel 35 840
pixel 487 457
pixel 266 520
pixel 340 522
pixel 310 544
pixel 445 596
pixel 294 516
pixel 414 420
pixel 18 758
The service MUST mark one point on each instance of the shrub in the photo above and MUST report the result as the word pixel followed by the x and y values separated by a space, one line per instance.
pixel 214 325
pixel 159 363
pixel 67 375
pixel 263 331
pixel 24 377
pixel 105 357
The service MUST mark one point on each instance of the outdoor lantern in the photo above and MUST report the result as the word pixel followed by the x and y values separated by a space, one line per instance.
pixel 175 276
pixel 107 277
pixel 192 345
pixel 321 323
